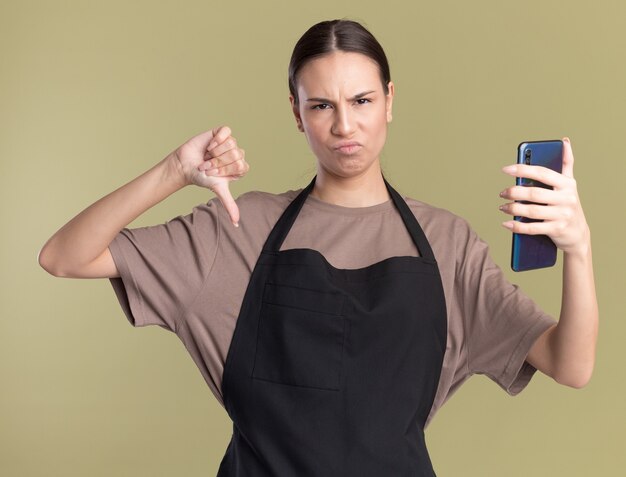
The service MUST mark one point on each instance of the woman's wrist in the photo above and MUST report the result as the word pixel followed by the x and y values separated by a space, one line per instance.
pixel 173 173
pixel 582 250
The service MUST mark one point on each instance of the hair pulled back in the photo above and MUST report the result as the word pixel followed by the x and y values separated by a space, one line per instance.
pixel 336 35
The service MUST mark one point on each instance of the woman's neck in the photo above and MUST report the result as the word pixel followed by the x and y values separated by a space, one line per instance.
pixel 364 190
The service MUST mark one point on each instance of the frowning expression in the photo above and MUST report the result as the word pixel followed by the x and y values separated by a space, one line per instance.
pixel 343 111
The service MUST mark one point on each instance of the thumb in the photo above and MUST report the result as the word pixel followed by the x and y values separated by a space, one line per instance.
pixel 568 158
pixel 223 193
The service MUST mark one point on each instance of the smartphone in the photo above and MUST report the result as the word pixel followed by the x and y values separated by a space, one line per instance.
pixel 531 252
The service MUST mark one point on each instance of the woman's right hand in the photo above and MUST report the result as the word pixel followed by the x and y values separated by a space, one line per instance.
pixel 212 159
pixel 79 249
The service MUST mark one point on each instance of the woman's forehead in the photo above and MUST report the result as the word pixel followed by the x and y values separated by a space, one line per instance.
pixel 339 72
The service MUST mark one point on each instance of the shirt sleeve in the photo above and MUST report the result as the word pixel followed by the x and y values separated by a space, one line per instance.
pixel 501 322
pixel 163 267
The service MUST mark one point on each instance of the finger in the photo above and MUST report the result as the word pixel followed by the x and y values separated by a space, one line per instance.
pixel 208 163
pixel 234 169
pixel 568 158
pixel 532 211
pixel 225 164
pixel 223 193
pixel 539 195
pixel 539 173
pixel 224 146
pixel 219 136
pixel 529 228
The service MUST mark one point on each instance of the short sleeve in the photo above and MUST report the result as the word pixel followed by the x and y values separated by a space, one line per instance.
pixel 501 322
pixel 163 267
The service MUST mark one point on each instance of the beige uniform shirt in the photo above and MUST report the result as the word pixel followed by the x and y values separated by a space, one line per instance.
pixel 189 276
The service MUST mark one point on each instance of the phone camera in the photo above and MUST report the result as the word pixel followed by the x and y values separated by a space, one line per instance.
pixel 527 156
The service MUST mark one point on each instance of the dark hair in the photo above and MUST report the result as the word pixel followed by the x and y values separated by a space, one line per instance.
pixel 336 35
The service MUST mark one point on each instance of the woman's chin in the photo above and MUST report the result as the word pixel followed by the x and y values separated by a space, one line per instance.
pixel 346 167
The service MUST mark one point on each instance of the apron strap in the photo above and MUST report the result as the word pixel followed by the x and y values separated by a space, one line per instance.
pixel 419 238
pixel 286 220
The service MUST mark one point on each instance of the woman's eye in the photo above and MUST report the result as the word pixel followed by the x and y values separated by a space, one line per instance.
pixel 327 106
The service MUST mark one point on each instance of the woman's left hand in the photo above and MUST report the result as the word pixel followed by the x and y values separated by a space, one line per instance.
pixel 562 215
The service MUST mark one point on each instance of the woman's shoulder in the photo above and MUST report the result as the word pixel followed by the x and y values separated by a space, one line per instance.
pixel 261 203
pixel 256 207
pixel 264 198
pixel 451 236
pixel 434 216
pixel 257 200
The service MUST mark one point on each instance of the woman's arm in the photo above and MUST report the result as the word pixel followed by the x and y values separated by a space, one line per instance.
pixel 80 248
pixel 566 352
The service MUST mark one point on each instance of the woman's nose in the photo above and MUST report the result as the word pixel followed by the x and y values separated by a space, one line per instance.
pixel 344 122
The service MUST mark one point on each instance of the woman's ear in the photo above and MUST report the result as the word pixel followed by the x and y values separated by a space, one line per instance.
pixel 389 101
pixel 296 112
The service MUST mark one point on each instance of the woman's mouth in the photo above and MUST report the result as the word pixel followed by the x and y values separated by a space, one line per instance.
pixel 348 147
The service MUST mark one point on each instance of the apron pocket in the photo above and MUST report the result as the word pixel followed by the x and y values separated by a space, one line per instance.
pixel 300 337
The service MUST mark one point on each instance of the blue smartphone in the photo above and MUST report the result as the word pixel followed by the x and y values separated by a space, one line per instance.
pixel 531 252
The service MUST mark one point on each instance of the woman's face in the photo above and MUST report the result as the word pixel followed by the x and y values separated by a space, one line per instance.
pixel 342 103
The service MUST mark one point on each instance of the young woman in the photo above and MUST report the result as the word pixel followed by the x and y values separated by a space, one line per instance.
pixel 334 320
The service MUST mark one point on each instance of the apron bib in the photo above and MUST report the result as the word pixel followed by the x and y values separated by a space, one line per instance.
pixel 333 372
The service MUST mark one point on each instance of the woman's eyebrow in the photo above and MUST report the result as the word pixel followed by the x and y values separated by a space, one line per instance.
pixel 356 96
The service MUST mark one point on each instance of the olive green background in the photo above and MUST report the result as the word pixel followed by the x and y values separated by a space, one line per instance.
pixel 92 94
